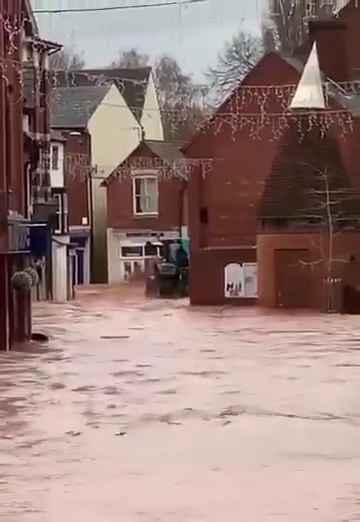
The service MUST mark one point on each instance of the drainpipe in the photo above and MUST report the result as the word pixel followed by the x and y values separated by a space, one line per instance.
pixel 181 211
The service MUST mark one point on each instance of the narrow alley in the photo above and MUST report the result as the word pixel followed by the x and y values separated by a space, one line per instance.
pixel 141 410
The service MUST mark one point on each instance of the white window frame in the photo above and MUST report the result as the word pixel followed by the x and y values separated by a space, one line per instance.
pixel 153 175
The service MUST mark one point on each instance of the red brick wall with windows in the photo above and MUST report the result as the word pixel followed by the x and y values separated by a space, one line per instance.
pixel 230 193
pixel 120 202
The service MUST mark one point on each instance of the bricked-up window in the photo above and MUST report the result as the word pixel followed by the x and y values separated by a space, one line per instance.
pixel 146 195
pixel 204 216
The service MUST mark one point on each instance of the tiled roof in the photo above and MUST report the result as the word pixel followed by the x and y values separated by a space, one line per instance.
pixel 164 150
pixel 73 107
pixel 290 189
pixel 132 83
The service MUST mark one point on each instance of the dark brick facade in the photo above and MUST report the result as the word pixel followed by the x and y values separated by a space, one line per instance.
pixel 77 174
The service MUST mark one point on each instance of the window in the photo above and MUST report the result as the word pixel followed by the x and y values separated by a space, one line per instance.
pixel 26 123
pixel 132 251
pixel 55 157
pixel 151 250
pixel 145 190
pixel 59 211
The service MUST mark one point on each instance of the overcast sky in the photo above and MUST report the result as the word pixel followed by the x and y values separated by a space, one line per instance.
pixel 194 34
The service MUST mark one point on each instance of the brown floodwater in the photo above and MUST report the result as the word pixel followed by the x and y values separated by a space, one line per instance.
pixel 153 411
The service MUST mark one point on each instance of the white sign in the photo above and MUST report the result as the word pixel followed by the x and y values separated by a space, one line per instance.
pixel 241 280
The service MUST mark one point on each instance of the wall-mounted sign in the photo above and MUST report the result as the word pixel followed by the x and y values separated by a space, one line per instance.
pixel 241 280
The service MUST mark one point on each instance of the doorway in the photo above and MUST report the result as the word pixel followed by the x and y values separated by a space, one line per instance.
pixel 132 269
pixel 78 271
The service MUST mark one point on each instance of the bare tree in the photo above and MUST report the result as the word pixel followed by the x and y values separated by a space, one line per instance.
pixel 131 59
pixel 285 24
pixel 238 57
pixel 310 192
pixel 67 60
pixel 333 207
pixel 181 100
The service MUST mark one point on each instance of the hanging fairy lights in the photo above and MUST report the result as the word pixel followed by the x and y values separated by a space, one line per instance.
pixel 77 167
pixel 260 110
pixel 256 108
pixel 252 107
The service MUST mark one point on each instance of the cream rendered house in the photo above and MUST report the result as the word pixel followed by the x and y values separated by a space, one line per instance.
pixel 118 108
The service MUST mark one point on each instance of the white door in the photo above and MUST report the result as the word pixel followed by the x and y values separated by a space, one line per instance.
pixel 130 268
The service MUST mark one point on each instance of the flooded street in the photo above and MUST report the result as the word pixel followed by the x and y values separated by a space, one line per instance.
pixel 153 411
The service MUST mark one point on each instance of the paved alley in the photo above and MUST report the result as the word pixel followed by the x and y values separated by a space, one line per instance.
pixel 144 411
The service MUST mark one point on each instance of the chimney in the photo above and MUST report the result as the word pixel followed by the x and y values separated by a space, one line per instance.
pixel 331 39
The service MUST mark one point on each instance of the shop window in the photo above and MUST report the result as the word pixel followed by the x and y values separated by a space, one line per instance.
pixel 132 251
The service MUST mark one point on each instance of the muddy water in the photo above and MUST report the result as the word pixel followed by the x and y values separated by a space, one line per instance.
pixel 152 411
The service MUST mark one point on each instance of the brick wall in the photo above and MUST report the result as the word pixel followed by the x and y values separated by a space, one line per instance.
pixel 207 275
pixel 120 204
pixel 346 248
pixel 77 172
pixel 230 193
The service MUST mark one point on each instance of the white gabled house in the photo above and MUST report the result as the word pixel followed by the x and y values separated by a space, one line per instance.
pixel 117 107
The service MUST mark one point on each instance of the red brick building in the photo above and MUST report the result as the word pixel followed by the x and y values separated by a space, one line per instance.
pixel 12 186
pixel 41 206
pixel 308 241
pixel 146 202
pixel 69 116
pixel 309 216
pixel 78 188
pixel 24 147
pixel 224 204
